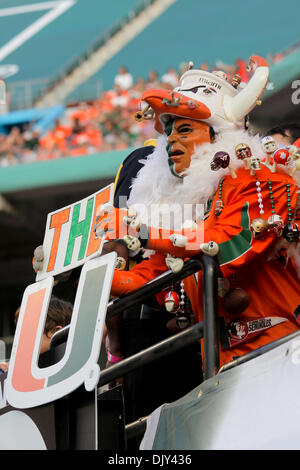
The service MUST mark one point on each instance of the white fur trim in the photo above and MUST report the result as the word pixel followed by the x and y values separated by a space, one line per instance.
pixel 170 200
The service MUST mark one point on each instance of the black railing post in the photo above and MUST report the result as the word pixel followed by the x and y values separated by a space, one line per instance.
pixel 210 317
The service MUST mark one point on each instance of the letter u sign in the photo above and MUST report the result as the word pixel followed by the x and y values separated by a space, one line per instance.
pixel 27 384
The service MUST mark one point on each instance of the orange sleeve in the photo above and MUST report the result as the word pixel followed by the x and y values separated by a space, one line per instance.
pixel 231 229
pixel 127 281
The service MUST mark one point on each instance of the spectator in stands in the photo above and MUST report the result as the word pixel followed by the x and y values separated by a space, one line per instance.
pixel 14 144
pixel 120 98
pixel 59 315
pixel 285 134
pixel 123 79
pixel 152 80
pixel 170 79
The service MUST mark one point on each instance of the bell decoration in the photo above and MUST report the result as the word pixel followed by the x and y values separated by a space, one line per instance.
pixel 171 301
pixel 259 227
pixel 291 232
pixel 236 301
pixel 222 160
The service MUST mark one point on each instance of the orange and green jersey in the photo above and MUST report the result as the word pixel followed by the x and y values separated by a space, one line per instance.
pixel 272 285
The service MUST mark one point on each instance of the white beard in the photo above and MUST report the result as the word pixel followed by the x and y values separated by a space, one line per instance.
pixel 162 200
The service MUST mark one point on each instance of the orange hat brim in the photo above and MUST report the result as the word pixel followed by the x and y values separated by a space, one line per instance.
pixel 163 102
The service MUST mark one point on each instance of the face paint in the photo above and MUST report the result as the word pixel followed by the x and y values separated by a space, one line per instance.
pixel 183 134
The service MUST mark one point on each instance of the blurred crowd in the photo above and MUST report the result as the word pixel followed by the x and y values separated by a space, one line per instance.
pixel 105 124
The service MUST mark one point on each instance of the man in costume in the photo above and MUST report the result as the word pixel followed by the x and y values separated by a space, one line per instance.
pixel 206 157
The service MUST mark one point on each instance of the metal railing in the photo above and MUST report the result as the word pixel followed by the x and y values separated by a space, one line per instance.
pixel 207 329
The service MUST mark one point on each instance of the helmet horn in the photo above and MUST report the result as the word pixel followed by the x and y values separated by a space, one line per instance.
pixel 237 107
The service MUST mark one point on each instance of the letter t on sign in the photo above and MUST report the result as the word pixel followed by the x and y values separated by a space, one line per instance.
pixel 79 228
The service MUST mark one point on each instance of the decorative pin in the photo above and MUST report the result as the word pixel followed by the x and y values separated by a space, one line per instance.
pixel 222 160
pixel 254 164
pixel 259 227
pixel 275 224
pixel 174 101
pixel 236 80
pixel 291 232
pixel 243 152
pixel 171 301
pixel 282 156
pixel 269 146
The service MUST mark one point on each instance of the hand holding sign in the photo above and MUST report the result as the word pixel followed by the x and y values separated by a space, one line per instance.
pixel 109 223
pixel 118 224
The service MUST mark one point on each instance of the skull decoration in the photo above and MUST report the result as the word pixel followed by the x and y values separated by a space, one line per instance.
pixel 219 206
pixel 291 232
pixel 132 218
pixel 174 263
pixel 132 243
pixel 220 160
pixel 294 152
pixel 268 144
pixel 120 263
pixel 276 224
pixel 236 80
pixel 259 227
pixel 211 248
pixel 171 301
pixel 178 240
pixel 254 163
